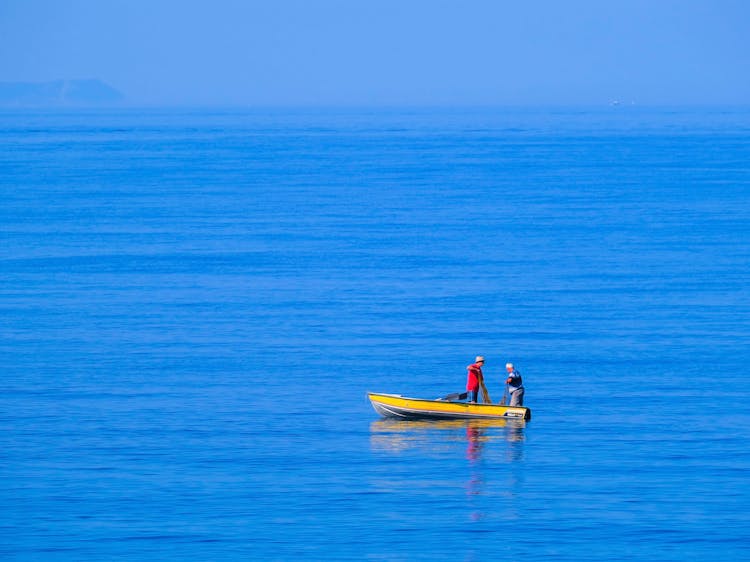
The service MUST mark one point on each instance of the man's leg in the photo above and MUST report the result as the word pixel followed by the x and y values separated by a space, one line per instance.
pixel 516 397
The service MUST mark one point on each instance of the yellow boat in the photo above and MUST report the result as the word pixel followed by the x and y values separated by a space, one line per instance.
pixel 401 407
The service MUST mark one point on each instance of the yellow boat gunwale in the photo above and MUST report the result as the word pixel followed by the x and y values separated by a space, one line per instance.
pixel 397 406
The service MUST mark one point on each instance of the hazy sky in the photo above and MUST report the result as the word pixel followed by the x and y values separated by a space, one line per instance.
pixel 384 52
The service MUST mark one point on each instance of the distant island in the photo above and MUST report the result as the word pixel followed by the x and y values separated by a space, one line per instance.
pixel 58 93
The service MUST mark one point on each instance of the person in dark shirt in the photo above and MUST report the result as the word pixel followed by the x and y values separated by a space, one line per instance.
pixel 515 385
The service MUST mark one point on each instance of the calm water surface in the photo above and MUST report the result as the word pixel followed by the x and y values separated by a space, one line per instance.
pixel 193 305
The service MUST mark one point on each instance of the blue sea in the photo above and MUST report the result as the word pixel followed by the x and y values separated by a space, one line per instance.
pixel 194 303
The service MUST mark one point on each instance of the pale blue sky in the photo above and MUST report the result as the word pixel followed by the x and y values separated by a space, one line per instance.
pixel 385 52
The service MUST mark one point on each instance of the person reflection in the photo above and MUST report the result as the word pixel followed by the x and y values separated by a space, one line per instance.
pixel 514 435
pixel 475 438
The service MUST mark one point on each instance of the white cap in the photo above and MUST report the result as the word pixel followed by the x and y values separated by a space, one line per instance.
pixel 509 365
pixel 478 359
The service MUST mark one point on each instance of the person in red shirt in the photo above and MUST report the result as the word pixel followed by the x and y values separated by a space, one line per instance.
pixel 474 377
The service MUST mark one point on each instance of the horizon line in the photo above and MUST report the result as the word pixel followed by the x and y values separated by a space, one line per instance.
pixel 614 105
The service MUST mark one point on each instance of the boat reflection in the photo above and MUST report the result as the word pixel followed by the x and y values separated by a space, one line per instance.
pixel 492 452
pixel 437 435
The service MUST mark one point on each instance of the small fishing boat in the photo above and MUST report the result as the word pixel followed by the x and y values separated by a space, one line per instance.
pixel 401 407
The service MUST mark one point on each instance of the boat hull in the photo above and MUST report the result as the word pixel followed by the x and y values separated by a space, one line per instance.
pixel 401 407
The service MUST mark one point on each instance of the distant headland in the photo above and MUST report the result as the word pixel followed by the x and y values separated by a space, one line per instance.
pixel 58 93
